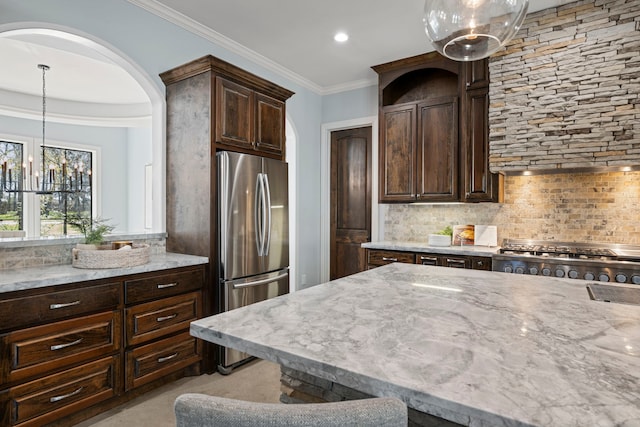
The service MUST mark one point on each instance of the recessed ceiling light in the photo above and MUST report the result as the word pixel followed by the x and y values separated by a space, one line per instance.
pixel 341 37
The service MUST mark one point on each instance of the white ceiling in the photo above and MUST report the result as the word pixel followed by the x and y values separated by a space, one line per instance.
pixel 290 37
pixel 298 35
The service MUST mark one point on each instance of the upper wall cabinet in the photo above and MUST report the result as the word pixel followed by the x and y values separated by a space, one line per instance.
pixel 434 131
pixel 248 112
pixel 248 119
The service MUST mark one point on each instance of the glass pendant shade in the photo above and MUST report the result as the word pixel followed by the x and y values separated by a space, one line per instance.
pixel 467 30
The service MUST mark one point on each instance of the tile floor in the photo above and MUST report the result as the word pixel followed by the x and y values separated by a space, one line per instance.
pixel 258 381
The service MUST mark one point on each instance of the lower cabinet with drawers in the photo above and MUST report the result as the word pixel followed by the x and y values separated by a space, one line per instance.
pixel 378 257
pixel 68 352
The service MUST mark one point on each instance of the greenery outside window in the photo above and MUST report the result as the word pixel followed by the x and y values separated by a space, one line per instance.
pixel 48 210
pixel 55 207
pixel 11 204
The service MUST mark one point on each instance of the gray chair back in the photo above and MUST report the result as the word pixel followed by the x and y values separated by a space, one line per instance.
pixel 199 410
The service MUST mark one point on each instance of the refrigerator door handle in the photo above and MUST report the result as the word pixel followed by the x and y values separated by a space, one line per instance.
pixel 267 208
pixel 261 281
pixel 257 217
pixel 223 195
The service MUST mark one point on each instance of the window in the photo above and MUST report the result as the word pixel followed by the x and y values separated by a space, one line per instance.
pixel 67 182
pixel 11 202
pixel 74 181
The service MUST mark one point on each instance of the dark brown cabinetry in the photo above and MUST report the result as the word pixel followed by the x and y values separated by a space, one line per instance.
pixel 159 308
pixel 246 112
pixel 76 350
pixel 398 131
pixel 438 150
pixel 434 131
pixel 248 119
pixel 378 257
pixel 213 106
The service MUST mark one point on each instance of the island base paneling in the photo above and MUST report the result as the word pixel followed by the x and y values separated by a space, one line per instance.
pixel 300 387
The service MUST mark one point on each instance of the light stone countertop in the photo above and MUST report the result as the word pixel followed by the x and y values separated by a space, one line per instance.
pixel 424 247
pixel 475 347
pixel 38 277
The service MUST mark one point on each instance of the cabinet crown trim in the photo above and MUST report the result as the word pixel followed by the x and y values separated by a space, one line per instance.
pixel 218 66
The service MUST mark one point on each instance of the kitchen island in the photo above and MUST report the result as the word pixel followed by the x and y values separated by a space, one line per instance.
pixel 478 348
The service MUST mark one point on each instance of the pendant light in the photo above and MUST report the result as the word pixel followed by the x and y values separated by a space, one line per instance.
pixel 54 179
pixel 467 30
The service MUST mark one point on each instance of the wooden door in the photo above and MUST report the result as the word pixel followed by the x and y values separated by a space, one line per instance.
pixel 350 200
pixel 438 150
pixel 397 153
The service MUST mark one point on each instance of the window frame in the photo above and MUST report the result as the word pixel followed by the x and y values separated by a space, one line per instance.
pixel 31 201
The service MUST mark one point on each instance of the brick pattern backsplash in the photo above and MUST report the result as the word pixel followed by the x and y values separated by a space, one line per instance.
pixel 565 93
pixel 576 207
pixel 57 254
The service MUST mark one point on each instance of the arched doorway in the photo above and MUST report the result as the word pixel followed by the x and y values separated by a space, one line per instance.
pixel 85 45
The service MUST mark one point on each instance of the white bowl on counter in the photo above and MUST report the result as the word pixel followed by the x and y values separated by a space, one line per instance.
pixel 439 240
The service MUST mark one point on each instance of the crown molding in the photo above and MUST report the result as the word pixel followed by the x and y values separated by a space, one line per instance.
pixel 205 32
pixel 344 87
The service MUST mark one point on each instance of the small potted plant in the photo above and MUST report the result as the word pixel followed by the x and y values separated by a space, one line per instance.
pixel 442 237
pixel 93 230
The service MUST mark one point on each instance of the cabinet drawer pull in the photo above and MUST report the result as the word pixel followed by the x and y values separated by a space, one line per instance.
pixel 384 258
pixel 163 318
pixel 63 305
pixel 164 359
pixel 69 344
pixel 455 262
pixel 64 396
pixel 167 285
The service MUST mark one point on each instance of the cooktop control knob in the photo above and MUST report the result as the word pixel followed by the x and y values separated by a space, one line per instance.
pixel 621 278
pixel 603 277
pixel 508 269
pixel 534 271
pixel 589 276
pixel 635 279
pixel 573 274
pixel 559 273
pixel 546 271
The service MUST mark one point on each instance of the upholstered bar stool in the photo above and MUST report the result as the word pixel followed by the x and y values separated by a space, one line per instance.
pixel 199 410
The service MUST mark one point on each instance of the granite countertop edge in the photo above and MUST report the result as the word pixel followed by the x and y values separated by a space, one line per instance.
pixel 50 275
pixel 425 247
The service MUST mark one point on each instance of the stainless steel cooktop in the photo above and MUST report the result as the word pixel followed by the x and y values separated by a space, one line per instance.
pixel 587 261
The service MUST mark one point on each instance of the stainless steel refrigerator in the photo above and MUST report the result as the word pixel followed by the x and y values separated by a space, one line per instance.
pixel 253 230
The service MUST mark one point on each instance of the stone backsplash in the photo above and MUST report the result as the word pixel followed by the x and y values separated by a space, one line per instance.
pixel 30 254
pixel 565 93
pixel 568 207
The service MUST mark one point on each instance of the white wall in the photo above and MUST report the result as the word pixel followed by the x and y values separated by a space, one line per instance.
pixel 353 104
pixel 139 151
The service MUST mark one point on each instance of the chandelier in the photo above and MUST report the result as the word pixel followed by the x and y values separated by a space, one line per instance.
pixel 56 178
pixel 467 30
